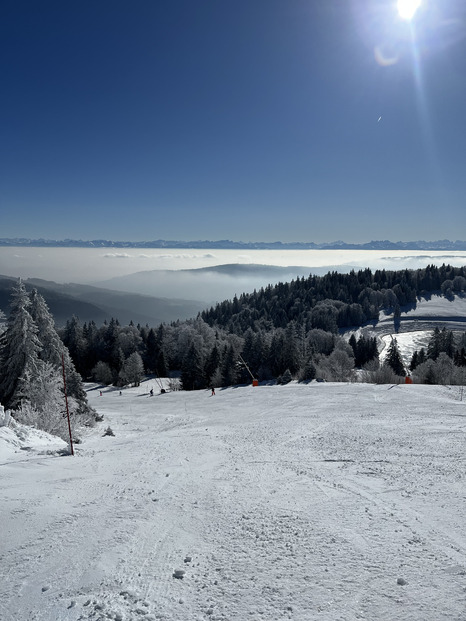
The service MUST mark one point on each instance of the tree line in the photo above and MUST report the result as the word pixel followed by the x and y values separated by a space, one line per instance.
pixel 290 330
pixel 443 361
pixel 334 301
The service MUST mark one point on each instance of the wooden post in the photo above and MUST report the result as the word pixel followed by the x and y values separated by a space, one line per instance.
pixel 66 402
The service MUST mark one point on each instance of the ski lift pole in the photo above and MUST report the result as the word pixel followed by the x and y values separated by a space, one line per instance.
pixel 158 381
pixel 249 370
pixel 66 403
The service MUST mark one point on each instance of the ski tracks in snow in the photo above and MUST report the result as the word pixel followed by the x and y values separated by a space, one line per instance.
pixel 301 511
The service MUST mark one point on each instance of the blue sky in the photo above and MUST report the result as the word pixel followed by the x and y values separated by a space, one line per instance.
pixel 291 120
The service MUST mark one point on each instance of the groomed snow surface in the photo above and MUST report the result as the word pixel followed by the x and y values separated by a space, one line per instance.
pixel 322 501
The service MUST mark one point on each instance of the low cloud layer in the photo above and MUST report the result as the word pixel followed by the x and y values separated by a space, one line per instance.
pixel 177 275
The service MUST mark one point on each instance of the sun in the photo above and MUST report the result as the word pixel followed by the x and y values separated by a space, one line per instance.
pixel 408 8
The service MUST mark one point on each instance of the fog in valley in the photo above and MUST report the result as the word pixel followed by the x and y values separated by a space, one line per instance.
pixel 196 274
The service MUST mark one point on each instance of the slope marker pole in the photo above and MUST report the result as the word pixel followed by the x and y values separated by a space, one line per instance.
pixel 66 402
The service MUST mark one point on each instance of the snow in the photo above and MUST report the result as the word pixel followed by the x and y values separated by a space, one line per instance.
pixel 16 438
pixel 434 311
pixel 320 501
pixel 435 307
pixel 407 342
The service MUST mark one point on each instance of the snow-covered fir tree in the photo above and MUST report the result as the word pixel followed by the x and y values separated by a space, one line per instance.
pixel 32 357
pixel 54 351
pixel 2 322
pixel 44 405
pixel 19 347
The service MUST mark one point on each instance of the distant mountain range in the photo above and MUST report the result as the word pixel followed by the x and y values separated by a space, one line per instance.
pixel 443 244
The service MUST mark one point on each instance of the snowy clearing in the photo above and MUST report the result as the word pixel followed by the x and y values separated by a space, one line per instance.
pixel 408 343
pixel 321 501
pixel 417 324
pixel 429 312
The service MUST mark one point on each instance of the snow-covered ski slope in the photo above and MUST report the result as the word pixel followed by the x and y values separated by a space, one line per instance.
pixel 330 502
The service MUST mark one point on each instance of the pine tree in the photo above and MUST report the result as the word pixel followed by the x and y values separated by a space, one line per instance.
pixel 211 364
pixel 152 351
pixel 414 361
pixel 43 406
pixel 54 351
pixel 460 357
pixel 192 370
pixel 161 367
pixel 448 343
pixel 275 360
pixel 286 377
pixel 434 346
pixel 291 354
pixel 19 347
pixel 228 369
pixel 248 348
pixel 2 322
pixel 397 316
pixel 394 360
pixel 365 349
pixel 74 341
pixel 261 353
pixel 309 371
pixel 91 349
pixel 422 356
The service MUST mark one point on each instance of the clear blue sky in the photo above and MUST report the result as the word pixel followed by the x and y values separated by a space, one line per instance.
pixel 291 120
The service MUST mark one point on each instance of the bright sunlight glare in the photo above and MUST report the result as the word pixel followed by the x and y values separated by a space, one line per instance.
pixel 407 8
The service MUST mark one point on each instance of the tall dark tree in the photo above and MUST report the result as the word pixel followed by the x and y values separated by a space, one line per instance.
pixel 73 340
pixel 161 367
pixel 418 357
pixel 460 357
pixel 192 376
pixel 309 371
pixel 397 316
pixel 364 349
pixel 211 364
pixel 276 350
pixel 229 367
pixel 441 341
pixel 91 343
pixel 292 353
pixel 394 359
pixel 152 351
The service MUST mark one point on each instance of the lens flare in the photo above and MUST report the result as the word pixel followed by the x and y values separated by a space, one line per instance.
pixel 408 8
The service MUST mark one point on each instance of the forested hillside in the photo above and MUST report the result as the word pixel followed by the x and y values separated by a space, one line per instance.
pixel 335 300
pixel 290 330
pixel 282 332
